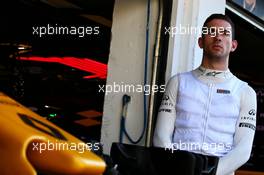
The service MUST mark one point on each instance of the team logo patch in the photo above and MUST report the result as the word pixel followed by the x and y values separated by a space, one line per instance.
pixel 247 125
pixel 248 118
pixel 223 91
pixel 165 110
pixel 165 97
pixel 252 112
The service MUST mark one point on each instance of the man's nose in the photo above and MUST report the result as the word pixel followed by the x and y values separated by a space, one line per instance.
pixel 218 37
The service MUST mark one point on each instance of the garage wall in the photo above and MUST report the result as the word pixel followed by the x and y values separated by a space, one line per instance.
pixel 126 67
pixel 127 52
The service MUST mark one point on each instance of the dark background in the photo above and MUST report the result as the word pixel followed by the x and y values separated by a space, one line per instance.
pixel 40 84
pixel 247 64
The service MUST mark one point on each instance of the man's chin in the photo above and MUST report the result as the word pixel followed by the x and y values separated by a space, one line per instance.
pixel 218 56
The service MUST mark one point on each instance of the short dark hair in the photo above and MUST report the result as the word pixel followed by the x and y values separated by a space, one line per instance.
pixel 223 17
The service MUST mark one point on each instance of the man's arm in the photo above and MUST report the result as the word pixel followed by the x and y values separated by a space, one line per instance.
pixel 166 116
pixel 244 135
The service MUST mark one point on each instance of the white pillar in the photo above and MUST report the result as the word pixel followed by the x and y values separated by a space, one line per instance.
pixel 126 67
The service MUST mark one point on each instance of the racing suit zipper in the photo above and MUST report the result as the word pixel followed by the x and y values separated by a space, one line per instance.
pixel 207 109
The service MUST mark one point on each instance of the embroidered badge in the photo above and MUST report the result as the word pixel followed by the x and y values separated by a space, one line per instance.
pixel 223 91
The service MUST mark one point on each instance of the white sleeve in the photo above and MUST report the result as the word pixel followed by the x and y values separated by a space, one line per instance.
pixel 243 137
pixel 166 116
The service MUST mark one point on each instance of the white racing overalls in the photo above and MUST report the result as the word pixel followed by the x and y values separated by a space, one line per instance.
pixel 211 113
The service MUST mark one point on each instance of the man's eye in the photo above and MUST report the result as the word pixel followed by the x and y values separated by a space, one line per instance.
pixel 226 32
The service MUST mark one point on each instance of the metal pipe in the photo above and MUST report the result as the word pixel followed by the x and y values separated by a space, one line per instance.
pixel 154 77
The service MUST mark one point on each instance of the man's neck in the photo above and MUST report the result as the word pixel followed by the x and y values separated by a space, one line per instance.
pixel 221 65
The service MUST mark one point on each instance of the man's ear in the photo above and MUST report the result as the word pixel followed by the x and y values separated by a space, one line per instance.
pixel 200 42
pixel 234 45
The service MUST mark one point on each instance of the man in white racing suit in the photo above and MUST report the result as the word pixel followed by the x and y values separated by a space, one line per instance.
pixel 210 111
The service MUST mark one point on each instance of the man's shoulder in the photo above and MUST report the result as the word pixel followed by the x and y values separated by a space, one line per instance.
pixel 249 90
pixel 246 87
pixel 180 74
pixel 185 73
pixel 173 79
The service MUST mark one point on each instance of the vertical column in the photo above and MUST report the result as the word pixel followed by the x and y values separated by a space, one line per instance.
pixel 126 68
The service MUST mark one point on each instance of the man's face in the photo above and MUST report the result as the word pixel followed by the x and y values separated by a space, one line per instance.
pixel 217 43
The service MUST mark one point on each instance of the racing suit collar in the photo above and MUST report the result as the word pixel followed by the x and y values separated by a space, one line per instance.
pixel 211 76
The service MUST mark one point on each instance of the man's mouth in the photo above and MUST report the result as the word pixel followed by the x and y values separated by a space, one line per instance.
pixel 217 46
